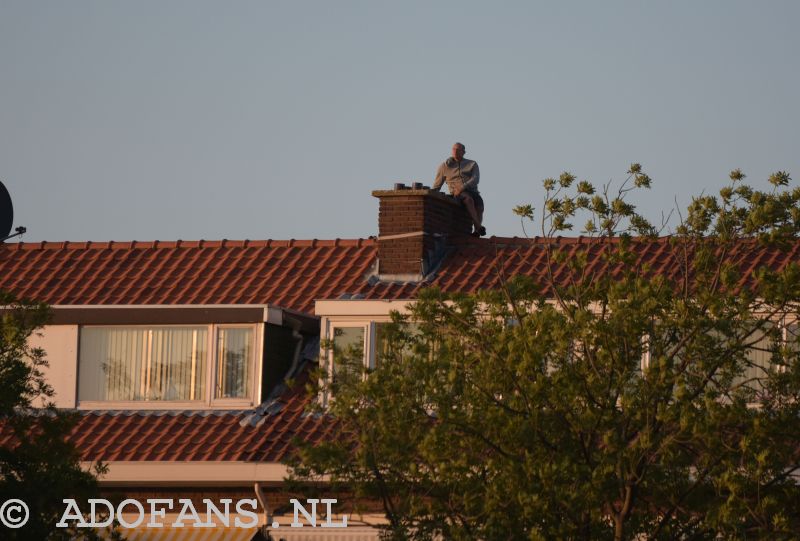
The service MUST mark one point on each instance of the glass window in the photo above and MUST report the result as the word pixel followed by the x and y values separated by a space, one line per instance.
pixel 348 351
pixel 792 341
pixel 382 344
pixel 760 360
pixel 140 363
pixel 759 356
pixel 234 350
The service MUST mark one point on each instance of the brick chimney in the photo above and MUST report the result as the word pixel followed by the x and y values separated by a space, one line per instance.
pixel 414 224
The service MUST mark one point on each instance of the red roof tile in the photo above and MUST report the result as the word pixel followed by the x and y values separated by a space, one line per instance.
pixel 290 274
pixel 197 436
pixel 293 274
pixel 477 264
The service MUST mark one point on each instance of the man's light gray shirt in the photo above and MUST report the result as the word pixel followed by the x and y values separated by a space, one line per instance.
pixel 464 173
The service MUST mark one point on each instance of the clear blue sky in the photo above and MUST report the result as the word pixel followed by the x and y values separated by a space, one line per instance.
pixel 187 119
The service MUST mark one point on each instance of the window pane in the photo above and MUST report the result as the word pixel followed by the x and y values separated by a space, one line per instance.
pixel 759 360
pixel 382 341
pixel 348 351
pixel 233 363
pixel 141 363
pixel 792 342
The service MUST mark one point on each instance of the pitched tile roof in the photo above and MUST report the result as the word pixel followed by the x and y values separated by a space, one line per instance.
pixel 294 273
pixel 477 264
pixel 290 274
pixel 197 436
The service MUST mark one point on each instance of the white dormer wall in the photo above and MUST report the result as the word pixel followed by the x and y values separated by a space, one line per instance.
pixel 60 343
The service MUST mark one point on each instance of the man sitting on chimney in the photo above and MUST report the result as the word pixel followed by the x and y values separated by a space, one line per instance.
pixel 462 178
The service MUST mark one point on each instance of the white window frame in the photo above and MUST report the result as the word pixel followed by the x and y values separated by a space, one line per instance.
pixel 253 368
pixel 343 324
pixel 370 337
pixel 328 327
pixel 207 401
pixel 354 313
pixel 783 323
pixel 373 353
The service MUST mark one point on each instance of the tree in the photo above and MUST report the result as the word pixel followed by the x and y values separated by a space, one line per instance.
pixel 38 465
pixel 615 397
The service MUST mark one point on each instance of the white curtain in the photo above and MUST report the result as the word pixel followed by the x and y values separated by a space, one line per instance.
pixel 759 357
pixel 140 363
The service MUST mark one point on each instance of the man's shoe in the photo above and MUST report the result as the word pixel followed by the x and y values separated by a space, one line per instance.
pixel 475 234
pixel 481 232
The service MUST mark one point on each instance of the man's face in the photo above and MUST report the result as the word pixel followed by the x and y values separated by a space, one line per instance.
pixel 458 152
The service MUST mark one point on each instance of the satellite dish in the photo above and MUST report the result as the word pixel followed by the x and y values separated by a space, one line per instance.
pixel 6 211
